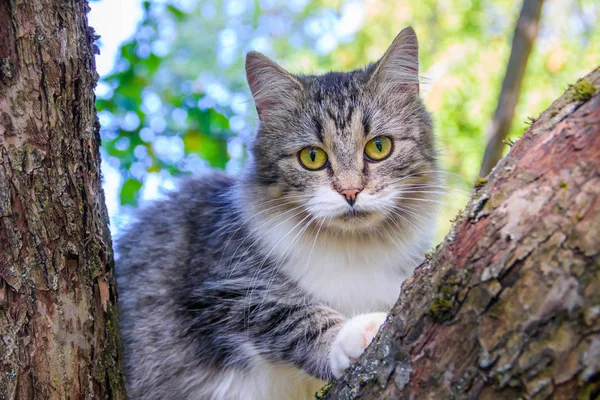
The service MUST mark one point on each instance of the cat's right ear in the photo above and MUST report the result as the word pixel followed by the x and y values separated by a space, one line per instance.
pixel 398 69
pixel 272 87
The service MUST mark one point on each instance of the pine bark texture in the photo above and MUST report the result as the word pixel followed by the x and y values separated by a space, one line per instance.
pixel 508 306
pixel 59 334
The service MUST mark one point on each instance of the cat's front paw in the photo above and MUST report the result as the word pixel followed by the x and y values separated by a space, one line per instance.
pixel 354 337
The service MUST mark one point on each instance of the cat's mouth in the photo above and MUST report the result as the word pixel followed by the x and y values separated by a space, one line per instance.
pixel 353 214
pixel 353 219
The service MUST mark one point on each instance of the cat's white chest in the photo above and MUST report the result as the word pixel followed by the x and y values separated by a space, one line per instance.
pixel 350 285
pixel 352 278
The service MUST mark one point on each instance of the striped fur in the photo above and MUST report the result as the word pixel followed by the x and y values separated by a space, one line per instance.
pixel 266 286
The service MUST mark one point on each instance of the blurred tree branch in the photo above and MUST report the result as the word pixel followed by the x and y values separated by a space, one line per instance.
pixel 525 34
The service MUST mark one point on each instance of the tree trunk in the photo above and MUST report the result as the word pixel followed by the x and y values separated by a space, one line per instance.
pixel 508 306
pixel 59 334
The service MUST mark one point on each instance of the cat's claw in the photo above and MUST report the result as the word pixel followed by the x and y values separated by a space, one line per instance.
pixel 354 337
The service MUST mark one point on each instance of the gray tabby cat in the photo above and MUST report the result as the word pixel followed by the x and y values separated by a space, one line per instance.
pixel 266 286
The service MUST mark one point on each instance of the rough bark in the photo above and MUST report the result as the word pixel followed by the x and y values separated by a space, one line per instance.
pixel 58 318
pixel 525 33
pixel 508 306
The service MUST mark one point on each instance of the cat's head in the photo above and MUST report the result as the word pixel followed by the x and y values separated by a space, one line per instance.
pixel 350 151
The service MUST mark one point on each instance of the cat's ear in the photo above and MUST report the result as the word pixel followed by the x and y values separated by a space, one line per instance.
pixel 272 87
pixel 398 69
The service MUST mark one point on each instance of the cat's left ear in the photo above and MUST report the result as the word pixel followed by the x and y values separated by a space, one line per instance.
pixel 398 69
pixel 272 87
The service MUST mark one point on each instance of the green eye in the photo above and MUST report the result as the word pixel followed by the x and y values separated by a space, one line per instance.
pixel 379 148
pixel 312 158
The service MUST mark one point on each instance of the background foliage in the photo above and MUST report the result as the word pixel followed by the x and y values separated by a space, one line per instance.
pixel 177 101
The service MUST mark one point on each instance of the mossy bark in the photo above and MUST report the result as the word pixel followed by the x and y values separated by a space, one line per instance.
pixel 508 306
pixel 59 335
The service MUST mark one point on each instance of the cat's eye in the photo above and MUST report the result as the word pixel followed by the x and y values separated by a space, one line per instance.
pixel 379 148
pixel 312 158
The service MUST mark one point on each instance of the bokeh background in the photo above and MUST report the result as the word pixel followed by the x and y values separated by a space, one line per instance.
pixel 172 98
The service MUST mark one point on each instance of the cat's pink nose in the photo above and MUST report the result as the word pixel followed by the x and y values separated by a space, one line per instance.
pixel 350 195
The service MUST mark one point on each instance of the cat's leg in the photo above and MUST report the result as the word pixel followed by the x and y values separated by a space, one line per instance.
pixel 296 334
pixel 314 338
pixel 278 325
pixel 354 337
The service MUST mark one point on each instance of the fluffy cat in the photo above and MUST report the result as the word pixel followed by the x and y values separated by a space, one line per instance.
pixel 266 286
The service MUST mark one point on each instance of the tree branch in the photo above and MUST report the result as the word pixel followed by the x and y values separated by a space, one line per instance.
pixel 525 34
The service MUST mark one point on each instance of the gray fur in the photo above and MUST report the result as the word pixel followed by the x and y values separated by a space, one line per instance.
pixel 201 292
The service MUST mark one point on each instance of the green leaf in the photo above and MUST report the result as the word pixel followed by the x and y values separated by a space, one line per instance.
pixel 177 13
pixel 213 150
pixel 129 191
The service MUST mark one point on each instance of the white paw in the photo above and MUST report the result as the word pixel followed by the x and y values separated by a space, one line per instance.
pixel 354 337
